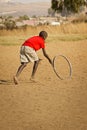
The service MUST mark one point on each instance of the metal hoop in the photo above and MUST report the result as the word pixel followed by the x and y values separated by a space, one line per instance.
pixel 70 67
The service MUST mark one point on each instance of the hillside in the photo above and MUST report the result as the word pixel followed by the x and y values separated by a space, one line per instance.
pixel 30 9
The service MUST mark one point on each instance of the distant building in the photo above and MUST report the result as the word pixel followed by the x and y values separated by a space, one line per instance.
pixel 55 23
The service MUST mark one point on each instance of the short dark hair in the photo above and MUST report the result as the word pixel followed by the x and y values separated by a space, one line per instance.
pixel 43 34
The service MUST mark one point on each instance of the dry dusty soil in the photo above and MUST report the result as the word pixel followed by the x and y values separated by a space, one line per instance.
pixel 49 103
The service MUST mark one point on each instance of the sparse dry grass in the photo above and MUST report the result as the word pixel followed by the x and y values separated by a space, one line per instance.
pixel 63 29
pixel 67 32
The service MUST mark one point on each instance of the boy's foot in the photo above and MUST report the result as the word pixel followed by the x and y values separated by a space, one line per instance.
pixel 32 79
pixel 15 80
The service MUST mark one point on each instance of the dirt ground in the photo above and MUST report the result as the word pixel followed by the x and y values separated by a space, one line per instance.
pixel 49 103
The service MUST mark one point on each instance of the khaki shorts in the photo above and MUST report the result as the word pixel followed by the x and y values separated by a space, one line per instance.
pixel 28 54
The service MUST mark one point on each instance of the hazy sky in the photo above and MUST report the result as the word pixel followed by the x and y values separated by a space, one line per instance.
pixel 32 0
pixel 25 1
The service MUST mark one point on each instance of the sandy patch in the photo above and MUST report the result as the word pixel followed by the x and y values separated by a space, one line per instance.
pixel 50 103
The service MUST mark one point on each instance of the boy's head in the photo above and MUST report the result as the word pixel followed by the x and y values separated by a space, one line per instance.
pixel 43 34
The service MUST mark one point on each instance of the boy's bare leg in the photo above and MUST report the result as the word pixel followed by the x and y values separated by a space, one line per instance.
pixel 20 69
pixel 35 68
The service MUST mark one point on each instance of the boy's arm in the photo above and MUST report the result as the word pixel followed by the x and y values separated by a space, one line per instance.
pixel 46 55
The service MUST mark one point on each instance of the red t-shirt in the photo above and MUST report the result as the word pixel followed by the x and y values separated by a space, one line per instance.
pixel 35 42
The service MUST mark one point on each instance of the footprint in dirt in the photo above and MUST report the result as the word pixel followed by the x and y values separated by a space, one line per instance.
pixel 5 82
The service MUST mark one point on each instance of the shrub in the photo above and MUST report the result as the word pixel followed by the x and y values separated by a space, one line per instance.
pixel 80 18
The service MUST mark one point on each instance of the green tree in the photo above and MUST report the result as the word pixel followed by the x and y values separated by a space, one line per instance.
pixel 24 17
pixel 10 24
pixel 51 12
pixel 70 5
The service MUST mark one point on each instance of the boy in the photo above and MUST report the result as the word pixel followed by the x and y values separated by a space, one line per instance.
pixel 28 53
